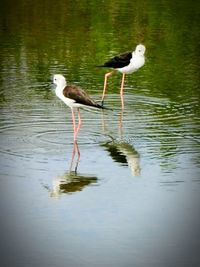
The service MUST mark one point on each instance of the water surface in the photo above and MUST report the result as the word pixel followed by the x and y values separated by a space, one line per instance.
pixel 128 193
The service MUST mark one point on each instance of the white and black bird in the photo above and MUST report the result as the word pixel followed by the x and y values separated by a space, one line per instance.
pixel 125 63
pixel 74 97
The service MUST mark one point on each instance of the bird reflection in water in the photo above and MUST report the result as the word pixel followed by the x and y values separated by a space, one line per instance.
pixel 122 151
pixel 125 154
pixel 71 181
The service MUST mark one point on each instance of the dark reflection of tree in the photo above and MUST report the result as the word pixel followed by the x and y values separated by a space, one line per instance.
pixel 38 40
pixel 71 181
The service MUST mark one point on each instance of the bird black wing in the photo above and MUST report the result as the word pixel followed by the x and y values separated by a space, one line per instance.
pixel 79 96
pixel 119 61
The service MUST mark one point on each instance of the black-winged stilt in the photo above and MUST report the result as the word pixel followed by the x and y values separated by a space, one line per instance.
pixel 125 63
pixel 74 97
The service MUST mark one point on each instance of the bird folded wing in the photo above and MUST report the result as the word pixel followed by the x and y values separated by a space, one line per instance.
pixel 119 61
pixel 78 95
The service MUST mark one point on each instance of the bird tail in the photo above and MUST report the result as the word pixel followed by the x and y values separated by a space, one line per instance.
pixel 102 107
pixel 96 107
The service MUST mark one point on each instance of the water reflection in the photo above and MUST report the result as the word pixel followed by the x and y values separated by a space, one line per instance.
pixel 121 150
pixel 71 181
pixel 125 154
pixel 75 151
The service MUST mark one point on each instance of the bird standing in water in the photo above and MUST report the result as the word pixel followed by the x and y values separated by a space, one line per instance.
pixel 125 63
pixel 74 97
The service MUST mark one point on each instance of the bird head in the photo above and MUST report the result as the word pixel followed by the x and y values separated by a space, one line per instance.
pixel 140 49
pixel 59 80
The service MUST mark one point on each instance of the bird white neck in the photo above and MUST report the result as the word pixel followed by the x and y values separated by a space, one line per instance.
pixel 59 89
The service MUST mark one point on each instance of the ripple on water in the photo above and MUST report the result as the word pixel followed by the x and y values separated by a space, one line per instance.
pixel 158 126
pixel 152 123
pixel 26 136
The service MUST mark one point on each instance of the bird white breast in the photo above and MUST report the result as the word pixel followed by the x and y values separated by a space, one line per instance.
pixel 136 62
pixel 59 92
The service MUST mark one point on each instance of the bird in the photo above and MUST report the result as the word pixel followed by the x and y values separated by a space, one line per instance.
pixel 126 63
pixel 74 97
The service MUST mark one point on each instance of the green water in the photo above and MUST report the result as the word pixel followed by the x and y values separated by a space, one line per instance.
pixel 134 197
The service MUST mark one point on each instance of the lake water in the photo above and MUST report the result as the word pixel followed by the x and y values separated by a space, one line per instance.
pixel 128 193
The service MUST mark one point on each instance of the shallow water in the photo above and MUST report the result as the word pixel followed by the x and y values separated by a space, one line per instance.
pixel 128 193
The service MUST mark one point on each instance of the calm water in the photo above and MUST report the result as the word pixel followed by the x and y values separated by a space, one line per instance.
pixel 132 198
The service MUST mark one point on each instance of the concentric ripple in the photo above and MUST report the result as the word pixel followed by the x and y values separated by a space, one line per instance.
pixel 156 126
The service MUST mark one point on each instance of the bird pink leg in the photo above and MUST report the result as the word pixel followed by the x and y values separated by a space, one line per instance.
pixel 74 124
pixel 104 86
pixel 121 123
pixel 79 122
pixel 75 150
pixel 78 158
pixel 73 154
pixel 122 90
